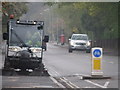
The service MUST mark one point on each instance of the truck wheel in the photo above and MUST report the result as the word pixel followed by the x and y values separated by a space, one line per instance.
pixel 45 48
pixel 6 64
pixel 37 71
pixel 40 71
pixel 45 72
pixel 70 50
pixel 8 72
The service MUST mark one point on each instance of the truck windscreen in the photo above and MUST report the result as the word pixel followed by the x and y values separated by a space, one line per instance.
pixel 25 34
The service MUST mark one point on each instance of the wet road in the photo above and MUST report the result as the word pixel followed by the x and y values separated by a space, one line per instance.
pixel 72 66
pixel 66 70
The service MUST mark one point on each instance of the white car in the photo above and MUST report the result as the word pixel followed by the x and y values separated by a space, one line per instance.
pixel 79 41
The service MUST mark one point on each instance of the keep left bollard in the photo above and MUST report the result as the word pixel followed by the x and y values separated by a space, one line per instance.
pixel 97 62
pixel 96 65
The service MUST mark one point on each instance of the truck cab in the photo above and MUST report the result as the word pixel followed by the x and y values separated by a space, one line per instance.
pixel 24 44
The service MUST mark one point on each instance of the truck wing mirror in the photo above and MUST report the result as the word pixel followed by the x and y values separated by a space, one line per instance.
pixel 5 36
pixel 46 38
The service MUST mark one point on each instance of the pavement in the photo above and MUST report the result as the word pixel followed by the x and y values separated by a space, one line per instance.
pixel 28 82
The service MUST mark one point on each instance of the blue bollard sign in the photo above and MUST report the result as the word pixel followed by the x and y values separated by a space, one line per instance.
pixel 97 61
pixel 97 53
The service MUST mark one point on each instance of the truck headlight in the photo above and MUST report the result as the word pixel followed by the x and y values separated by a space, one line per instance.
pixel 14 49
pixel 36 49
pixel 88 43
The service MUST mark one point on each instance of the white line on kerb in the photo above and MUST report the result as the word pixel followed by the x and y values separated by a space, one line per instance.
pixel 95 84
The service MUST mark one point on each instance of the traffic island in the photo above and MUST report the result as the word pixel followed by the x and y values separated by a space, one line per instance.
pixel 96 69
pixel 95 77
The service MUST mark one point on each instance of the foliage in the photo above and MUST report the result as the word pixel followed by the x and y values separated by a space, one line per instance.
pixel 99 18
pixel 15 8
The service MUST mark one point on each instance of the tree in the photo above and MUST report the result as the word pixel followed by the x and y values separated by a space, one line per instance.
pixel 100 18
pixel 16 8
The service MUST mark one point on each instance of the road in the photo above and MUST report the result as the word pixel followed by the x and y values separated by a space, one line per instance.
pixel 66 70
pixel 72 66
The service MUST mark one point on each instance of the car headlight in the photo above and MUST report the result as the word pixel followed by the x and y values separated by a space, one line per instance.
pixel 88 43
pixel 72 43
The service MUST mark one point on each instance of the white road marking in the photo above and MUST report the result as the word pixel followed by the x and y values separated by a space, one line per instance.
pixel 55 81
pixel 53 72
pixel 42 86
pixel 66 83
pixel 32 87
pixel 89 87
pixel 95 84
pixel 74 85
pixel 71 83
pixel 13 77
pixel 106 84
pixel 111 62
pixel 17 87
pixel 63 79
pixel 81 75
pixel 57 74
pixel 13 80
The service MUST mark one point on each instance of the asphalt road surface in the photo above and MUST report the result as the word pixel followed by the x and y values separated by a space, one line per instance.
pixel 66 70
pixel 70 67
